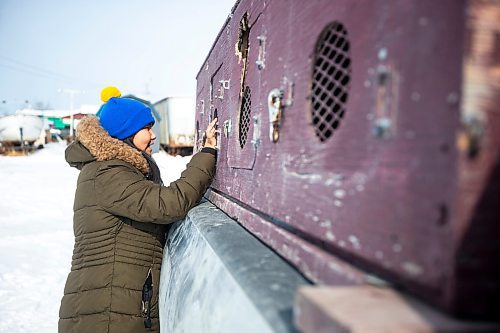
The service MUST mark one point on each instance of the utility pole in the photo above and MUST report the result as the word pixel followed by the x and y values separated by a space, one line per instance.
pixel 72 93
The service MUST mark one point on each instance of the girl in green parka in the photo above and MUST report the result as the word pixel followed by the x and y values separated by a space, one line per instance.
pixel 120 210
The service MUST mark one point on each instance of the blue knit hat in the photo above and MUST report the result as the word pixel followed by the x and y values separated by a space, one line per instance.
pixel 123 117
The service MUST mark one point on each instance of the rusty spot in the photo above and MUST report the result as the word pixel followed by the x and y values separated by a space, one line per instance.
pixel 241 51
pixel 242 45
pixel 387 94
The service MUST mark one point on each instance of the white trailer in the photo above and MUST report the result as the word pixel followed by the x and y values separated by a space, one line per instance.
pixel 177 124
pixel 20 128
pixel 20 133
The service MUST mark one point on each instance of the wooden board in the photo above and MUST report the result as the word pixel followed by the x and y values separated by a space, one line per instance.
pixel 405 184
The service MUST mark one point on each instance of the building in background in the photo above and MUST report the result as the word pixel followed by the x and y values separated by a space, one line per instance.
pixel 59 121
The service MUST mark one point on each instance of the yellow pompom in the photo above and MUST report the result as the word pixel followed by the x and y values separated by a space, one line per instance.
pixel 110 92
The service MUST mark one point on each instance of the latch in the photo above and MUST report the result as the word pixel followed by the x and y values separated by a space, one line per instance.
pixel 227 126
pixel 275 106
pixel 256 131
pixel 387 95
pixel 202 106
pixel 224 85
pixel 290 87
pixel 261 59
pixel 210 117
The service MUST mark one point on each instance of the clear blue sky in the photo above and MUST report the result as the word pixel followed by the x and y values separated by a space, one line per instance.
pixel 140 46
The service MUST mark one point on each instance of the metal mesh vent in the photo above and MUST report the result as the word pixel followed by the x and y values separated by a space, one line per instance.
pixel 246 105
pixel 330 81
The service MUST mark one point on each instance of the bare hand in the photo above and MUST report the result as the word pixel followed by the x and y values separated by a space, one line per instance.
pixel 210 134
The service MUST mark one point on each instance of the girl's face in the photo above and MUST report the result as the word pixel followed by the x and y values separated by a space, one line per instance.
pixel 144 139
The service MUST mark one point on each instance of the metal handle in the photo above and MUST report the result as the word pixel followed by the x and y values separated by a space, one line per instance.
pixel 275 106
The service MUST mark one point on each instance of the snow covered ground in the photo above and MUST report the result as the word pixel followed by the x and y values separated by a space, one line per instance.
pixel 36 235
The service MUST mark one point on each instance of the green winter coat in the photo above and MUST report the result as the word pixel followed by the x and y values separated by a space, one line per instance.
pixel 119 219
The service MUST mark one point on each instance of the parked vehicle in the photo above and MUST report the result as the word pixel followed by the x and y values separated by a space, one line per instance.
pixel 177 124
pixel 21 133
pixel 20 128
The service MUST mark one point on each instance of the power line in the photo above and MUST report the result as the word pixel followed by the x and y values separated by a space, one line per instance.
pixel 27 65
pixel 29 72
pixel 46 73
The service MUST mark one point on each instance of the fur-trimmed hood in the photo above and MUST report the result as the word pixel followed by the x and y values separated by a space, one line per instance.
pixel 93 143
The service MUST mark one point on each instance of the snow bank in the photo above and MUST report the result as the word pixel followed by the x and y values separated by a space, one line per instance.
pixel 170 166
pixel 36 242
pixel 36 238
